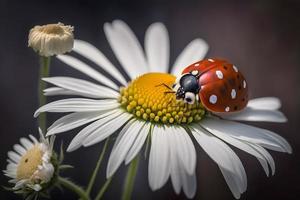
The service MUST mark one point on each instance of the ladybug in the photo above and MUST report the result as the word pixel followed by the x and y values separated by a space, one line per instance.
pixel 216 83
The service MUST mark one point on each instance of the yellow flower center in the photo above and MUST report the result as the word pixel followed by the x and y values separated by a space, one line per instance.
pixel 146 97
pixel 56 29
pixel 29 162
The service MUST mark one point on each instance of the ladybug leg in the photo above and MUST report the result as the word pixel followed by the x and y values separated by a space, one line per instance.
pixel 169 92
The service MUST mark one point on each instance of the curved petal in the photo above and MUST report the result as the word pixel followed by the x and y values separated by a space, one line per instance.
pixel 53 91
pixel 193 52
pixel 265 103
pixel 138 143
pixel 84 68
pixel 159 166
pixel 78 139
pixel 19 149
pixel 187 152
pixel 189 184
pixel 91 52
pixel 243 145
pixel 267 156
pixel 248 133
pixel 183 161
pixel 82 87
pixel 77 105
pixel 227 160
pixel 157 47
pixel 126 48
pixel 121 148
pixel 74 120
pixel 250 114
pixel 14 156
pixel 107 129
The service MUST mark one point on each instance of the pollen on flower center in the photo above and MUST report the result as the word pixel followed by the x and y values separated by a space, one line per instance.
pixel 146 98
pixel 29 162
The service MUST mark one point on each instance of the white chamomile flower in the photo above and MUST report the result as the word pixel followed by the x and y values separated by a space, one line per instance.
pixel 29 165
pixel 51 39
pixel 140 109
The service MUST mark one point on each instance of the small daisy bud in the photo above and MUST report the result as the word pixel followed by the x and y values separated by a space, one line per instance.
pixel 31 165
pixel 51 39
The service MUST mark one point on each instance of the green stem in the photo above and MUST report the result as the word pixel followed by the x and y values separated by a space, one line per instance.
pixel 44 72
pixel 130 177
pixel 95 172
pixel 103 189
pixel 73 187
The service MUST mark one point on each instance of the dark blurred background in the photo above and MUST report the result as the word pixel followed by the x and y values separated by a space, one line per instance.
pixel 261 37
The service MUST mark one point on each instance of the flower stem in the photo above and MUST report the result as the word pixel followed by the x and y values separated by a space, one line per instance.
pixel 44 72
pixel 75 188
pixel 95 172
pixel 130 178
pixel 103 188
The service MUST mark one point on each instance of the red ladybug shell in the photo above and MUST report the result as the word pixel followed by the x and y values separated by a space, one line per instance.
pixel 223 86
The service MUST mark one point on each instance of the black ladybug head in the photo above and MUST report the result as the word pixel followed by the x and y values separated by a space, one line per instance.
pixel 188 83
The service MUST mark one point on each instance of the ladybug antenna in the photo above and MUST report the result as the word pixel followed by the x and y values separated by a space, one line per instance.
pixel 163 84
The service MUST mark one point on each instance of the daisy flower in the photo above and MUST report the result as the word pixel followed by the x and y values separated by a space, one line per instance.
pixel 30 165
pixel 51 39
pixel 138 109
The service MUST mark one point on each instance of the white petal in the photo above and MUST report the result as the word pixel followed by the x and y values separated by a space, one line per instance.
pixel 26 143
pixel 250 114
pixel 34 140
pixel 78 139
pixel 77 105
pixel 18 148
pixel 121 148
pixel 248 133
pixel 84 68
pixel 178 169
pixel 267 156
pixel 265 103
pixel 239 144
pixel 74 120
pixel 159 160
pixel 53 91
pixel 193 52
pixel 91 52
pixel 223 156
pixel 175 169
pixel 138 143
pixel 157 47
pixel 106 130
pixel 126 48
pixel 83 87
pixel 14 156
pixel 189 184
pixel 231 182
pixel 186 153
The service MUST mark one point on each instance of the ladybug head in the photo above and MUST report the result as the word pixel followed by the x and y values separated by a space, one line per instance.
pixel 187 88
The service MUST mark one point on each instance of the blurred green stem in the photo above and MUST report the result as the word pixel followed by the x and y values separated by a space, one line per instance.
pixel 95 172
pixel 103 188
pixel 130 178
pixel 73 187
pixel 44 72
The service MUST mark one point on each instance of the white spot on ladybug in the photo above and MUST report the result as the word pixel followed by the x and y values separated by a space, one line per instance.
pixel 244 84
pixel 233 94
pixel 195 72
pixel 197 64
pixel 235 68
pixel 213 99
pixel 211 60
pixel 219 74
pixel 227 109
